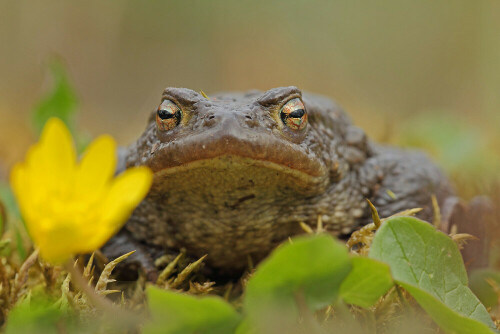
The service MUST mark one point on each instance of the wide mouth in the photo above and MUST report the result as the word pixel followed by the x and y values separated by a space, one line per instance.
pixel 251 150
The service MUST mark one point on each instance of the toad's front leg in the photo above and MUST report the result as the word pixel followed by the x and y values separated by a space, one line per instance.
pixel 142 259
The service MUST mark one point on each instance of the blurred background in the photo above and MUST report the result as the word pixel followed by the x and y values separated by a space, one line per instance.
pixel 415 73
pixel 418 73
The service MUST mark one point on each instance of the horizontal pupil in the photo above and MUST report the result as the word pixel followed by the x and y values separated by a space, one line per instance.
pixel 297 113
pixel 165 114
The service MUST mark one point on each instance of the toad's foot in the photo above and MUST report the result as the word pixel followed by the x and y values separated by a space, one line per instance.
pixel 123 243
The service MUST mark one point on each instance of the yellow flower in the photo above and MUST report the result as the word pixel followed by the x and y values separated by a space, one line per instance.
pixel 74 207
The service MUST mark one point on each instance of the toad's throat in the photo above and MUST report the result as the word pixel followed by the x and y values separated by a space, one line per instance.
pixel 224 194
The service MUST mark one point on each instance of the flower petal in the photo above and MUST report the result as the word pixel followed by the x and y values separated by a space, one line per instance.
pixel 58 242
pixel 126 192
pixel 96 168
pixel 72 209
pixel 57 155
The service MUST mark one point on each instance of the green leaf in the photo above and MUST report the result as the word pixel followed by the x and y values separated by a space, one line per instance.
pixel 8 200
pixel 303 274
pixel 245 327
pixel 366 283
pixel 15 219
pixel 21 249
pixel 38 316
pixel 60 102
pixel 428 264
pixel 174 312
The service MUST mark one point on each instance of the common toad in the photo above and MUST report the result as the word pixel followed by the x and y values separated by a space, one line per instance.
pixel 235 174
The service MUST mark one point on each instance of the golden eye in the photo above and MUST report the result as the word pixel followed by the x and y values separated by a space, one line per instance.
pixel 168 115
pixel 293 114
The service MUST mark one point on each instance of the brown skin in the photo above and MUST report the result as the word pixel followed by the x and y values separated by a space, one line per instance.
pixel 234 177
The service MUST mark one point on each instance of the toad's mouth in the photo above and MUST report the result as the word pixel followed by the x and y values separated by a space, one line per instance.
pixel 239 154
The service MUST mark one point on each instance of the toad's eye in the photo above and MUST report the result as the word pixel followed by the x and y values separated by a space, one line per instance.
pixel 168 115
pixel 293 114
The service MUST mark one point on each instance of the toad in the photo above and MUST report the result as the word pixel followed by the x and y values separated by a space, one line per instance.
pixel 235 174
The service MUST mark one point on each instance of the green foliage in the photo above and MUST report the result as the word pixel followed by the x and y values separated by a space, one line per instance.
pixel 39 316
pixel 309 273
pixel 21 249
pixel 299 286
pixel 305 273
pixel 428 264
pixel 15 219
pixel 60 102
pixel 173 312
pixel 246 327
pixel 8 200
pixel 366 283
pixel 302 281
pixel 452 321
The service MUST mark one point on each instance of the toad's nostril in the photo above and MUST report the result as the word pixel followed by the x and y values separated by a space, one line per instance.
pixel 211 117
pixel 248 117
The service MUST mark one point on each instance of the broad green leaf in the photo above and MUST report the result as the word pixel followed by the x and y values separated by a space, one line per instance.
pixel 366 283
pixel 482 288
pixel 39 316
pixel 445 316
pixel 60 102
pixel 305 273
pixel 174 312
pixel 428 264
